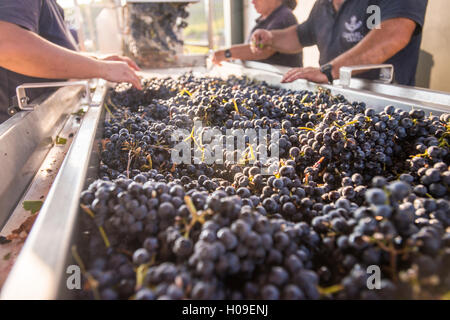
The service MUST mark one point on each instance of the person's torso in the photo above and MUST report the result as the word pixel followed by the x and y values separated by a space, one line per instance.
pixel 51 27
pixel 338 32
pixel 281 16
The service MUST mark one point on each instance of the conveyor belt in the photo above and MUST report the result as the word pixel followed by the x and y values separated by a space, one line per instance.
pixel 40 270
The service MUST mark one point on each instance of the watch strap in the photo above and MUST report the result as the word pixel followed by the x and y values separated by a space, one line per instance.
pixel 327 70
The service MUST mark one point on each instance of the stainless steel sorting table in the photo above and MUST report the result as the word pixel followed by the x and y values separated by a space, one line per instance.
pixel 40 270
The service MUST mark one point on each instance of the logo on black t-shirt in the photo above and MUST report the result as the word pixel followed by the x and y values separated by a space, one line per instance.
pixel 352 26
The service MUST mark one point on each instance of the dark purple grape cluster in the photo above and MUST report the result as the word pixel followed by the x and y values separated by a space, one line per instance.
pixel 354 189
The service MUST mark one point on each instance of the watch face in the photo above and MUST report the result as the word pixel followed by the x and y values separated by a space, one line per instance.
pixel 227 54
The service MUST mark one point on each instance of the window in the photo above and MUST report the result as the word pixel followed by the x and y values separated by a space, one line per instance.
pixel 196 33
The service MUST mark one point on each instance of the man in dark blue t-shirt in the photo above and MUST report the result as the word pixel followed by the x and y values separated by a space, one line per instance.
pixel 35 45
pixel 343 32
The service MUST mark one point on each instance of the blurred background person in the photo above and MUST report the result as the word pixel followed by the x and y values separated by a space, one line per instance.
pixel 37 46
pixel 275 14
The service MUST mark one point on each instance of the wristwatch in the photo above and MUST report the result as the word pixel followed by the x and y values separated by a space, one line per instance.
pixel 327 69
pixel 228 53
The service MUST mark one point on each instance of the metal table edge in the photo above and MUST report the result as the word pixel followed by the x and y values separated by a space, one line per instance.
pixel 36 274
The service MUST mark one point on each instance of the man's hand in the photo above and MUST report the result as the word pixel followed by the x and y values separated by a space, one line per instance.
pixel 261 39
pixel 116 68
pixel 115 57
pixel 119 71
pixel 218 57
pixel 309 73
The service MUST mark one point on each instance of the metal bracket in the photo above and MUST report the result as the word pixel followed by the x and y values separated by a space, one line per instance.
pixel 386 72
pixel 23 99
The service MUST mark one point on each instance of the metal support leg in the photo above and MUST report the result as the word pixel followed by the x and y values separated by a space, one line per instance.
pixel 209 10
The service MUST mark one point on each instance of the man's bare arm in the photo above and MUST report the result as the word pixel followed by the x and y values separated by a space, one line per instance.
pixel 243 52
pixel 27 53
pixel 378 46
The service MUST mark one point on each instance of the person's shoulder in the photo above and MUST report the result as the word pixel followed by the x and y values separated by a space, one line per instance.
pixel 285 10
pixel 24 13
pixel 287 14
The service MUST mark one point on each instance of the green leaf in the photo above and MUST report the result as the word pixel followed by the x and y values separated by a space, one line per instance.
pixel 60 140
pixel 79 113
pixel 7 256
pixel 32 206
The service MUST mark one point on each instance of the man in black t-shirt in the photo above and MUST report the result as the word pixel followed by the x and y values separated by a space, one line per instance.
pixel 342 31
pixel 36 45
